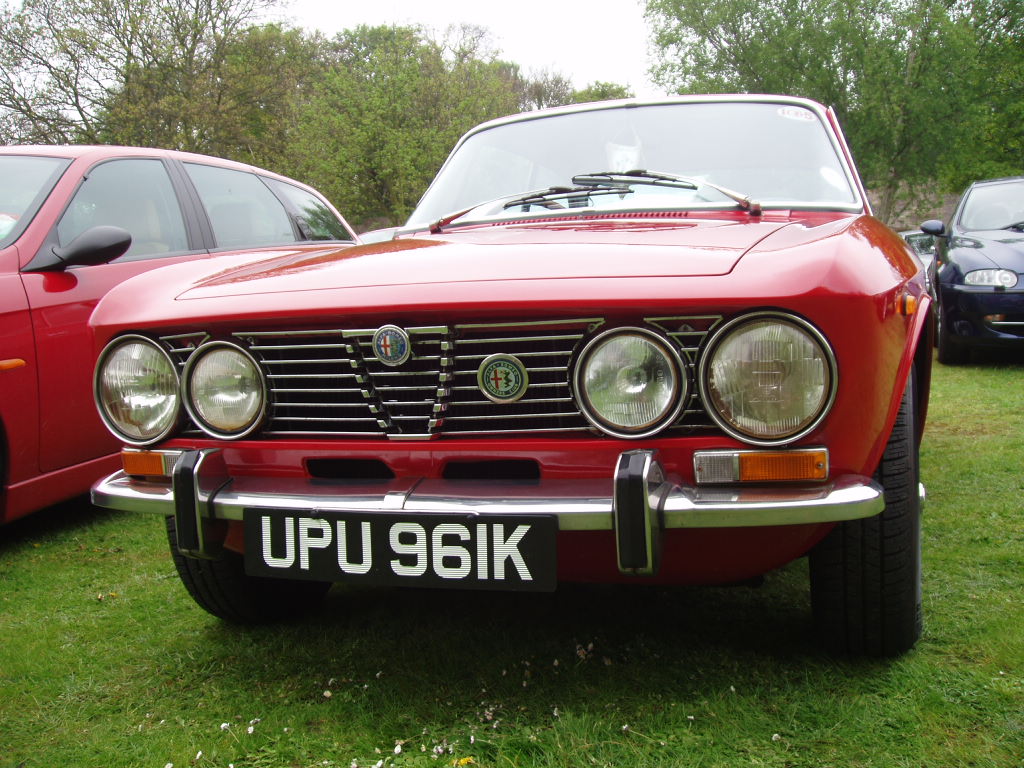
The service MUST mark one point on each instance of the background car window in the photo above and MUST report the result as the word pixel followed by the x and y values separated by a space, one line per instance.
pixel 24 184
pixel 135 194
pixel 319 221
pixel 994 206
pixel 242 210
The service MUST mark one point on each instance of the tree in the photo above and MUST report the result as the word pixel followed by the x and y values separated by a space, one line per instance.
pixel 240 103
pixel 995 121
pixel 60 60
pixel 600 91
pixel 897 71
pixel 389 109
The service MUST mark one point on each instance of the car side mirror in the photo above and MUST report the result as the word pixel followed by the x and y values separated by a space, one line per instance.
pixel 935 228
pixel 97 245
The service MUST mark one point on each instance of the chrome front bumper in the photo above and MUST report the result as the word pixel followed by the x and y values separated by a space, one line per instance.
pixel 638 502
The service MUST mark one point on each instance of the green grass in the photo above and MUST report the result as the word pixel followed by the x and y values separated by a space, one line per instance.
pixel 105 661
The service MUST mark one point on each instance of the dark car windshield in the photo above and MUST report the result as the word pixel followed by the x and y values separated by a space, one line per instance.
pixel 780 154
pixel 993 206
pixel 25 182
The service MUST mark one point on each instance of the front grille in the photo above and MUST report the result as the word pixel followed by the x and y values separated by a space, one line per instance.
pixel 328 383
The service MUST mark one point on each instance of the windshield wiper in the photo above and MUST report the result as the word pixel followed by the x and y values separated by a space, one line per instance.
pixel 657 179
pixel 548 197
pixel 601 183
pixel 1017 225
pixel 539 197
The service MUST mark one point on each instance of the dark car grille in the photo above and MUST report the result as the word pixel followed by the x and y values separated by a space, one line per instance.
pixel 329 383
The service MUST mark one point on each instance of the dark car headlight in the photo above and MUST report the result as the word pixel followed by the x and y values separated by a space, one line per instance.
pixel 136 390
pixel 768 378
pixel 998 278
pixel 630 382
pixel 224 390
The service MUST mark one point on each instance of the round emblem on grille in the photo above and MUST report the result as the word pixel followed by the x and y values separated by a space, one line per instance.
pixel 502 378
pixel 391 345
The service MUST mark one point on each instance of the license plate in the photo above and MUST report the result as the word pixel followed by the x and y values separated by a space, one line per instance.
pixel 448 551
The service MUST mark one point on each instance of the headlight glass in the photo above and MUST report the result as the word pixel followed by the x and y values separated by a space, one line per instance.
pixel 1004 278
pixel 768 379
pixel 629 383
pixel 224 390
pixel 136 390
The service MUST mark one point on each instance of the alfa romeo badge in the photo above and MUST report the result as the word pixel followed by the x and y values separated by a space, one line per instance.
pixel 391 345
pixel 502 378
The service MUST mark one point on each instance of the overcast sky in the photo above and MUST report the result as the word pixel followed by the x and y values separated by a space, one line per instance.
pixel 584 40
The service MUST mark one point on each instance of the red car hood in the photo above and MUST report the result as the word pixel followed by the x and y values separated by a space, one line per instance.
pixel 608 249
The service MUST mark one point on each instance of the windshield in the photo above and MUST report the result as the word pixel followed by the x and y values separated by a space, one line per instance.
pixel 994 206
pixel 777 153
pixel 25 181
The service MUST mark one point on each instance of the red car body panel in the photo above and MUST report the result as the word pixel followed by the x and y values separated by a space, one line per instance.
pixel 55 443
pixel 644 377
pixel 816 266
pixel 820 276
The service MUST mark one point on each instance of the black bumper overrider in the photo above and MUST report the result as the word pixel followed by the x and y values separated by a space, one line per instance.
pixel 637 502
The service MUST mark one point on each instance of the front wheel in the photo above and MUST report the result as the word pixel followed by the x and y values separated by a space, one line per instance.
pixel 866 574
pixel 223 588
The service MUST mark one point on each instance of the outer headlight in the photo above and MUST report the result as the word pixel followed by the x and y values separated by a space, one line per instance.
pixel 224 390
pixel 994 277
pixel 629 382
pixel 768 379
pixel 136 390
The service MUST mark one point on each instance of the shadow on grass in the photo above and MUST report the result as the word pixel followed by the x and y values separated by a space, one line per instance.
pixel 66 518
pixel 582 647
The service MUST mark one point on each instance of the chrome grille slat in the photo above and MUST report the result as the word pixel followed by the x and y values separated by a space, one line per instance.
pixel 327 383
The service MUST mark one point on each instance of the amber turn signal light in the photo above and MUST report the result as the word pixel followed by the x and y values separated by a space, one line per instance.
pixel 148 463
pixel 799 465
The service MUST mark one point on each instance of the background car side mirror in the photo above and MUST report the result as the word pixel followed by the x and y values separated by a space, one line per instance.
pixel 934 227
pixel 97 245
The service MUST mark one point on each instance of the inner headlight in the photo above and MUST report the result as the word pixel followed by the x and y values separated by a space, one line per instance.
pixel 629 382
pixel 136 390
pixel 224 390
pixel 768 379
pixel 1004 278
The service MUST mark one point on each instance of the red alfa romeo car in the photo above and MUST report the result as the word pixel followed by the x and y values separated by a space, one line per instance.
pixel 74 222
pixel 652 342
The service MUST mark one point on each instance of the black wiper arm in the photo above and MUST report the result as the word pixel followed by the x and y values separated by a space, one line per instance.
pixel 553 194
pixel 658 179
pixel 1015 225
pixel 536 197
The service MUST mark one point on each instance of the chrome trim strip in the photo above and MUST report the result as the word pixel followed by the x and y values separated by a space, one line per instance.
pixel 579 505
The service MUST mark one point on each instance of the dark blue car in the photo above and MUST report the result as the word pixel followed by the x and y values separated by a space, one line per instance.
pixel 981 270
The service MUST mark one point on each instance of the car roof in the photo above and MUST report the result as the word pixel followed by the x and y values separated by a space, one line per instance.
pixel 103 151
pixel 596 106
pixel 996 181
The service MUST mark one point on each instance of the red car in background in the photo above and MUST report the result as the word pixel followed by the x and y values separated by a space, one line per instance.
pixel 74 222
pixel 646 342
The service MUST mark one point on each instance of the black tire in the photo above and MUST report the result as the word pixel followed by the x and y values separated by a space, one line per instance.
pixel 949 352
pixel 866 574
pixel 223 588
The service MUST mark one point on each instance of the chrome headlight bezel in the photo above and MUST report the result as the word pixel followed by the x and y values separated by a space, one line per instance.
pixel 680 389
pixel 194 412
pixel 735 325
pixel 169 422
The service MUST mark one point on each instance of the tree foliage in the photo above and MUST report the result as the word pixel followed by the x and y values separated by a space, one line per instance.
pixel 367 117
pixel 902 74
pixel 390 106
pixel 62 60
